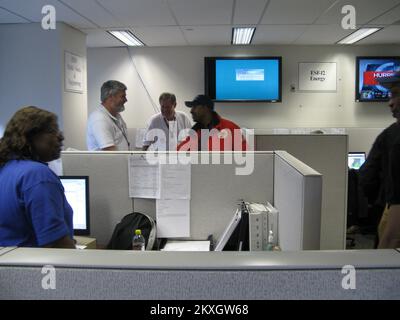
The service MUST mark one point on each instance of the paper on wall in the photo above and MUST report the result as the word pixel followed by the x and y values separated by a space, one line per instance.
pixel 175 181
pixel 173 218
pixel 144 178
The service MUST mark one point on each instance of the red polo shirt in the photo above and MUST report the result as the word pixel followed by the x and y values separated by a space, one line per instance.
pixel 221 134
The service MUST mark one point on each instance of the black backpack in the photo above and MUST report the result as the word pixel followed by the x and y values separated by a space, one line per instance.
pixel 124 231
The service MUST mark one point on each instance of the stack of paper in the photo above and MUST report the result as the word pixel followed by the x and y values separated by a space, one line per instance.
pixel 176 245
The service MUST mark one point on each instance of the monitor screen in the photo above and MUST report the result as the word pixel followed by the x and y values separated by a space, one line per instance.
pixel 243 79
pixel 368 72
pixel 356 159
pixel 77 194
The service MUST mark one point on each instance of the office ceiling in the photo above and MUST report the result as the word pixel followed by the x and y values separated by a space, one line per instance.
pixel 210 22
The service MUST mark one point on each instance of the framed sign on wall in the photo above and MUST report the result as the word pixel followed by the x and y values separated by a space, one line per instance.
pixel 73 73
pixel 317 76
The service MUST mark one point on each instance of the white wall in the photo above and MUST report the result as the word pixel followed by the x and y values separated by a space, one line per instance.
pixel 29 69
pixel 32 73
pixel 74 104
pixel 181 70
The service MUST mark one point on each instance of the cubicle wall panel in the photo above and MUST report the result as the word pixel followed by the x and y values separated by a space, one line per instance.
pixel 297 196
pixel 108 186
pixel 312 212
pixel 361 139
pixel 27 283
pixel 288 199
pixel 215 190
pixel 327 154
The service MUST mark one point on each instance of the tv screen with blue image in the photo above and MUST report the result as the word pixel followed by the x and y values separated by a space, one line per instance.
pixel 368 72
pixel 243 79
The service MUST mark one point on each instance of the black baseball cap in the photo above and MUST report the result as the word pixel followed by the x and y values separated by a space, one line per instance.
pixel 200 100
pixel 391 80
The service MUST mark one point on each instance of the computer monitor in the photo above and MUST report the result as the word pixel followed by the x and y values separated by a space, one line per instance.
pixel 229 230
pixel 77 194
pixel 356 159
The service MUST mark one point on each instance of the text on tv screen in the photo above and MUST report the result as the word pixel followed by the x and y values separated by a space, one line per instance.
pixel 369 71
pixel 244 79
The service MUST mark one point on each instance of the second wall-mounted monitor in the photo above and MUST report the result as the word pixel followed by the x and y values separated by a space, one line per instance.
pixel 368 72
pixel 243 79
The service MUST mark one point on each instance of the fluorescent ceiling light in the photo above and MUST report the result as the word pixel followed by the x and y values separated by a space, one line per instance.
pixel 242 35
pixel 358 35
pixel 126 37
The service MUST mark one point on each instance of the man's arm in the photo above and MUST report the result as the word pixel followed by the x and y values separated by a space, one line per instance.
pixel 391 235
pixel 103 135
pixel 371 171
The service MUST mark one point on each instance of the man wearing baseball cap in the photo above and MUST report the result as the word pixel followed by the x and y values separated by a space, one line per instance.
pixel 389 226
pixel 211 132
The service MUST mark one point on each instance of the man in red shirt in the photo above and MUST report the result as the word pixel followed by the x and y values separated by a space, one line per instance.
pixel 211 132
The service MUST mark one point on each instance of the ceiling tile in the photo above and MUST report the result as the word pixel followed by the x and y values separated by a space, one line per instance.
pixel 155 21
pixel 32 10
pixel 365 11
pixel 388 18
pixel 389 35
pixel 101 38
pixel 202 12
pixel 248 12
pixel 7 17
pixel 208 35
pixel 322 34
pixel 94 11
pixel 295 12
pixel 140 12
pixel 272 34
pixel 160 36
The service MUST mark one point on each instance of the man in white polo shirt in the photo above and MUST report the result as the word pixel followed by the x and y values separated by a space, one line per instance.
pixel 106 130
pixel 167 128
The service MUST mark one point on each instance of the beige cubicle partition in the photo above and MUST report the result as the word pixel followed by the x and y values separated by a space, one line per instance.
pixel 297 196
pixel 105 274
pixel 216 190
pixel 327 154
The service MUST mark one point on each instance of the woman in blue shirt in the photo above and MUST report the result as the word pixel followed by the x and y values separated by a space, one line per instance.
pixel 33 209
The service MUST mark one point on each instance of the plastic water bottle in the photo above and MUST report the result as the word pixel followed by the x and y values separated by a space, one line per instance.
pixel 138 242
pixel 270 245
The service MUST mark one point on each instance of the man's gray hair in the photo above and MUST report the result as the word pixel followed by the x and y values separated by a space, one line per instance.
pixel 167 96
pixel 110 88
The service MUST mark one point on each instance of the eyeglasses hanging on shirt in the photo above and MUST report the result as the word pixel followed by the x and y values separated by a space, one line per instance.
pixel 171 143
pixel 121 128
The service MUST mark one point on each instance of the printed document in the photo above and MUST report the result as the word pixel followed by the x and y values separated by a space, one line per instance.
pixel 173 218
pixel 175 181
pixel 144 178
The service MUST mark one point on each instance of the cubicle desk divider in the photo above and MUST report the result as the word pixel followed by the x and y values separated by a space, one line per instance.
pixel 297 196
pixel 328 155
pixel 105 274
pixel 293 187
pixel 216 189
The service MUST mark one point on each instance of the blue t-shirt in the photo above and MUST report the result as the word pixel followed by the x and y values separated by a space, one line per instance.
pixel 33 208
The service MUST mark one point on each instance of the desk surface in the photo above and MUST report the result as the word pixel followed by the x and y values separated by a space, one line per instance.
pixel 112 259
pixel 4 250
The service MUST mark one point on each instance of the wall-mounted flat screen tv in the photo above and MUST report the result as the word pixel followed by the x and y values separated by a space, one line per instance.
pixel 243 79
pixel 368 72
